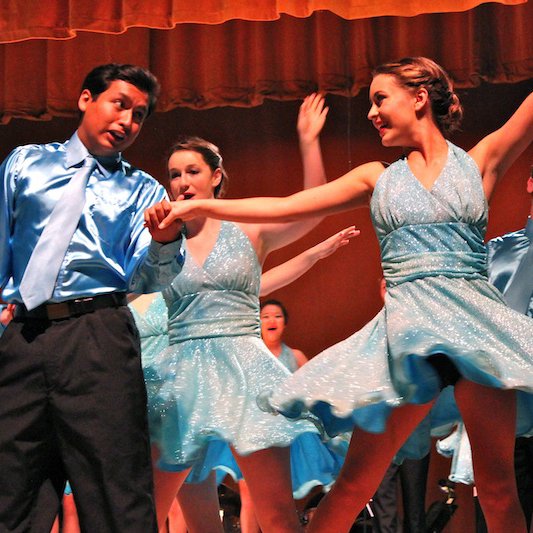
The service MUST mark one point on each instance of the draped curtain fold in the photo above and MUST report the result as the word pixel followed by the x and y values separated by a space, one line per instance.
pixel 242 62
pixel 61 19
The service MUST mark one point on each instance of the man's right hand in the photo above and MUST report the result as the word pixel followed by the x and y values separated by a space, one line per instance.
pixel 153 216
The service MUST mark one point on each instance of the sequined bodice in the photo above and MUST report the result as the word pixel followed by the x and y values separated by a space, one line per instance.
pixel 153 321
pixel 287 359
pixel 152 326
pixel 219 298
pixel 431 232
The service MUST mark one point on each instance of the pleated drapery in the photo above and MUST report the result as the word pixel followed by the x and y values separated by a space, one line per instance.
pixel 242 62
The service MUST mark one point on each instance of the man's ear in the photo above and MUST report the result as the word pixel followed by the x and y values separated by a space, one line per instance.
pixel 84 98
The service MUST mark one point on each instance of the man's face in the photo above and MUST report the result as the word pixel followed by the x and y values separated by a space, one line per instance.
pixel 112 120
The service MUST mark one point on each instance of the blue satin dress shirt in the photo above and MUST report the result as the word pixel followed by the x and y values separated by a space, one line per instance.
pixel 110 249
pixel 503 257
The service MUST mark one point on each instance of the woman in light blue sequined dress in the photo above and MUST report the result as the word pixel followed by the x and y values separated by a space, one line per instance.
pixel 216 364
pixel 443 325
pixel 200 490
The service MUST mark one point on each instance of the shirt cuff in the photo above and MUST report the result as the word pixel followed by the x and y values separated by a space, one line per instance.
pixel 165 253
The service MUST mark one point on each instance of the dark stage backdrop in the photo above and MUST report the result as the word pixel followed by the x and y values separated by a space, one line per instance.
pixel 260 148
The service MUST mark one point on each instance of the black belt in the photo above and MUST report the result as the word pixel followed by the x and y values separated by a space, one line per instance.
pixel 72 308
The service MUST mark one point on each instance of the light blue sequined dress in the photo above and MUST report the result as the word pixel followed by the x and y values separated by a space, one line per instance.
pixel 205 384
pixel 287 359
pixel 153 331
pixel 438 301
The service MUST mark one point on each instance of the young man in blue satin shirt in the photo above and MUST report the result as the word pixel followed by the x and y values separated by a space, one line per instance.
pixel 72 396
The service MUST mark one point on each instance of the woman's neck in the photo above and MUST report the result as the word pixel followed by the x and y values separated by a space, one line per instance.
pixel 428 142
pixel 274 346
pixel 198 225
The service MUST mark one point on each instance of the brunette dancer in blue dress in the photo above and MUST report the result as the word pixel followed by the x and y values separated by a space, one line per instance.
pixel 150 314
pixel 442 322
pixel 216 363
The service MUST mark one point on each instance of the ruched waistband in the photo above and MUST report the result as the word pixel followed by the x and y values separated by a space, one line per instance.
pixel 219 313
pixel 451 249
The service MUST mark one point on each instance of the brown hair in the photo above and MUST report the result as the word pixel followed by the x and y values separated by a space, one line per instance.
pixel 414 72
pixel 209 152
pixel 100 78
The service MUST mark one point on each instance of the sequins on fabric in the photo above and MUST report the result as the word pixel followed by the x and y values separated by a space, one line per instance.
pixel 209 377
pixel 438 302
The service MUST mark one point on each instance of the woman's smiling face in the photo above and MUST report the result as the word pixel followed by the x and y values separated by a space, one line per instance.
pixel 392 111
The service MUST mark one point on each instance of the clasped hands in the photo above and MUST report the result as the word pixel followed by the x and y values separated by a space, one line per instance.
pixel 164 220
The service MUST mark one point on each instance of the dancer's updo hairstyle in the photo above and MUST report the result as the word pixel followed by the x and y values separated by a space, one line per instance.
pixel 209 152
pixel 414 72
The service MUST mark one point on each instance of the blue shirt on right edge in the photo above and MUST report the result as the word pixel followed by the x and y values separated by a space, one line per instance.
pixel 503 257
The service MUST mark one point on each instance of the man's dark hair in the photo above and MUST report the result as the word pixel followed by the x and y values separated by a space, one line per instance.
pixel 100 78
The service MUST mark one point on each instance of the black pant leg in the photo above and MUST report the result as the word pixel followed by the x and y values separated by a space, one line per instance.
pixel 385 503
pixel 413 477
pixel 48 505
pixel 99 402
pixel 481 524
pixel 72 392
pixel 28 449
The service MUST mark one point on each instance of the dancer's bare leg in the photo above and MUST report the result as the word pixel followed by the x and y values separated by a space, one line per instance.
pixel 268 475
pixel 166 487
pixel 70 515
pixel 489 415
pixel 249 523
pixel 369 455
pixel 176 520
pixel 55 527
pixel 200 506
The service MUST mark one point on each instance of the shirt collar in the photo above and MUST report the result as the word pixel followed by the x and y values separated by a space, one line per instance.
pixel 77 152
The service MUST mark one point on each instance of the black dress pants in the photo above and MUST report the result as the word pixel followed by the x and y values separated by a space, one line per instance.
pixel 73 404
pixel 413 476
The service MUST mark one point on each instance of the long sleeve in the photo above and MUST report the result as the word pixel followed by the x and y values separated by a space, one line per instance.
pixel 7 195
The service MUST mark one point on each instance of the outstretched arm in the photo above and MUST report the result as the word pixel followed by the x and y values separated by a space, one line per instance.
pixel 311 119
pixel 291 270
pixel 7 314
pixel 496 153
pixel 352 190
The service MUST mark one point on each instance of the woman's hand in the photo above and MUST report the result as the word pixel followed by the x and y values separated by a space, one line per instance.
pixel 311 118
pixel 154 216
pixel 7 314
pixel 331 245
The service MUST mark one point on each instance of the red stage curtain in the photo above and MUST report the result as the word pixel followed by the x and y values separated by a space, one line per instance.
pixel 241 62
pixel 60 19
